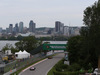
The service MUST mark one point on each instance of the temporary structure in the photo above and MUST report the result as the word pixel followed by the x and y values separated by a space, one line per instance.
pixel 26 54
pixel 21 55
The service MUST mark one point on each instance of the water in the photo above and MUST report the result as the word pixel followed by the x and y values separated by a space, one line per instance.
pixel 3 43
pixel 56 42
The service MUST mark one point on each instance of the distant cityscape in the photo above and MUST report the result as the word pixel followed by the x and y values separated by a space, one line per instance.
pixel 19 29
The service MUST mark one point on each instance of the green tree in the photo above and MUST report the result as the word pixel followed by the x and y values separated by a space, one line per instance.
pixel 27 43
pixel 78 51
pixel 9 47
pixel 6 47
pixel 19 45
pixel 92 22
pixel 74 47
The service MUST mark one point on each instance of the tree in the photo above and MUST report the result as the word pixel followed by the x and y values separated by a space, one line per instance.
pixel 9 47
pixel 27 43
pixel 19 45
pixel 92 22
pixel 74 47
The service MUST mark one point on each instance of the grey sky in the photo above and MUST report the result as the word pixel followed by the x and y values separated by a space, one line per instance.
pixel 43 12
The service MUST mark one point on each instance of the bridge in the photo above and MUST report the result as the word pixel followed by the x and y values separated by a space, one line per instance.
pixel 54 47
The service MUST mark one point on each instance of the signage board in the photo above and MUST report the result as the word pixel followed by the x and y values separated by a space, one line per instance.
pixel 54 46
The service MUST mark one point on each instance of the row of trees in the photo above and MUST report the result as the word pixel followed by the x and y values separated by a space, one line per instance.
pixel 27 43
pixel 55 38
pixel 85 49
pixel 11 38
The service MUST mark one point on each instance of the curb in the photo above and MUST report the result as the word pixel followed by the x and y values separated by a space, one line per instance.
pixel 32 65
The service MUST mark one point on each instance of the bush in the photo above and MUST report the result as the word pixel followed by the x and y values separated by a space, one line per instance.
pixel 70 70
pixel 74 67
pixel 65 73
pixel 82 71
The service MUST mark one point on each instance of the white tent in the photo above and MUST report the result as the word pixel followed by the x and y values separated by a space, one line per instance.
pixel 21 55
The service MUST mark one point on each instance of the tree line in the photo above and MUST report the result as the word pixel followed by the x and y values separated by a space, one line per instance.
pixel 85 49
pixel 27 43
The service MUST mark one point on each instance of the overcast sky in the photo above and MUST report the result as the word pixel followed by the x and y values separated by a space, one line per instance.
pixel 43 12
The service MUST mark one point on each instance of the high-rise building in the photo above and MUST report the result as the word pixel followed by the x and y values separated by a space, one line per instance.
pixel 16 29
pixel 10 28
pixel 32 26
pixel 59 27
pixel 21 27
pixel 7 30
pixel 74 31
pixel 0 29
pixel 66 30
pixel 62 28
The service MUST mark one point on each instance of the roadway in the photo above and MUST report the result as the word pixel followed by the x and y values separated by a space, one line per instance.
pixel 43 67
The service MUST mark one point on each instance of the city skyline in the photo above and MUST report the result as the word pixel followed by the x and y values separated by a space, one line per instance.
pixel 44 13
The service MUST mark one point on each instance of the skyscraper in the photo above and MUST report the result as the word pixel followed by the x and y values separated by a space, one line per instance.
pixel 10 28
pixel 66 30
pixel 21 27
pixel 0 29
pixel 59 27
pixel 16 28
pixel 32 26
pixel 62 28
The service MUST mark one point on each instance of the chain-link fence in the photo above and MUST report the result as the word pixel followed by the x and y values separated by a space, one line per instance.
pixel 18 64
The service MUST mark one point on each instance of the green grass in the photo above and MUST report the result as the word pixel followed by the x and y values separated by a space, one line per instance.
pixel 51 71
pixel 53 68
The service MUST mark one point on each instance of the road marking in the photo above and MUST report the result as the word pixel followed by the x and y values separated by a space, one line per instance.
pixel 49 70
pixel 32 65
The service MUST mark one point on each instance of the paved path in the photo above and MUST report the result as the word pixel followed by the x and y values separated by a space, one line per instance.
pixel 43 67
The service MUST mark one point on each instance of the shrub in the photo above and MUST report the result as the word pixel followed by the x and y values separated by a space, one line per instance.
pixel 74 67
pixel 65 73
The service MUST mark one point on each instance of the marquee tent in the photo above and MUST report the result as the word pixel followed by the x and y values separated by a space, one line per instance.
pixel 21 55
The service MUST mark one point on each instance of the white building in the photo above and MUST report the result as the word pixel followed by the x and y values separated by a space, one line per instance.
pixel 8 52
pixel 66 30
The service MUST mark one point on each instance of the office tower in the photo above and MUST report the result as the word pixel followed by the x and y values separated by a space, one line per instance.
pixel 32 26
pixel 25 30
pixel 66 30
pixel 0 29
pixel 62 28
pixel 16 29
pixel 7 30
pixel 57 26
pixel 10 28
pixel 21 27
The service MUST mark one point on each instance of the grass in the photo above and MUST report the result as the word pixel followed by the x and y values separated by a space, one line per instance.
pixel 51 71
pixel 53 68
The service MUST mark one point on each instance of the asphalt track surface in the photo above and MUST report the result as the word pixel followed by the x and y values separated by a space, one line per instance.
pixel 43 67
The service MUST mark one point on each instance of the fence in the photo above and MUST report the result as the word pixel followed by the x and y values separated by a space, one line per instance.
pixel 18 64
